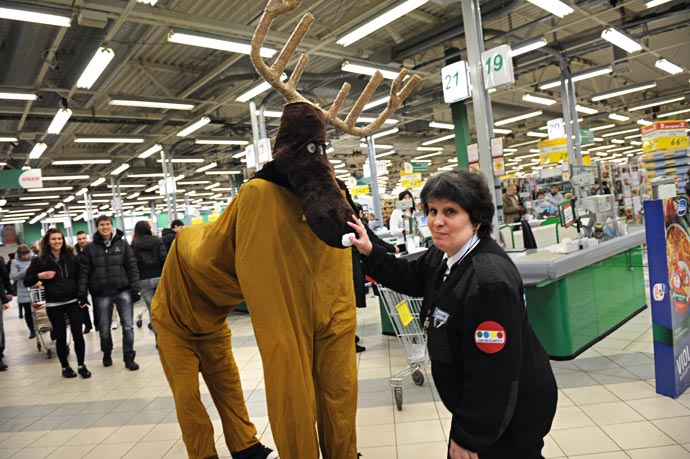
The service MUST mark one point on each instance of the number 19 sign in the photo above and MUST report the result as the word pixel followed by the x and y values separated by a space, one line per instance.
pixel 498 67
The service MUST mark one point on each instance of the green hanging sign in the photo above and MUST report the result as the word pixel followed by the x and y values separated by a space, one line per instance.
pixel 19 179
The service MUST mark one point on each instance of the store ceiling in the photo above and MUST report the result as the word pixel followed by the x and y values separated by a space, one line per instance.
pixel 49 60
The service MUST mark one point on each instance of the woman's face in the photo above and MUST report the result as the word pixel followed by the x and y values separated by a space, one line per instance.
pixel 25 256
pixel 55 241
pixel 450 225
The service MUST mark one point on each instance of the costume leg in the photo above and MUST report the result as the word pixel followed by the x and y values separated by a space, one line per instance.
pixel 223 380
pixel 335 375
pixel 286 348
pixel 181 366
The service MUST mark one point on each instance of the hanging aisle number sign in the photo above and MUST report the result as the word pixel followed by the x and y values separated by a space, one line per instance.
pixel 456 82
pixel 497 64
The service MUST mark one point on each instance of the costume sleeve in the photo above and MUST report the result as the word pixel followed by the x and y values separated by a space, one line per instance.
pixel 403 276
pixel 491 363
pixel 132 267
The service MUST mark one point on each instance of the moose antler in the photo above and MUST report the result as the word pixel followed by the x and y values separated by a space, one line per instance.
pixel 273 74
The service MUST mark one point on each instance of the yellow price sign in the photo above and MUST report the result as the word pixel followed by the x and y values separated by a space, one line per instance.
pixel 404 313
pixel 665 143
pixel 553 157
pixel 413 183
pixel 356 191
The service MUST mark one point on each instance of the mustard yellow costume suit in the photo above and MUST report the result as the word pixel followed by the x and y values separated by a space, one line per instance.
pixel 299 293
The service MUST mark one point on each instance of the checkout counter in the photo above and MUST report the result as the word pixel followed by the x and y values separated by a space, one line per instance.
pixel 574 300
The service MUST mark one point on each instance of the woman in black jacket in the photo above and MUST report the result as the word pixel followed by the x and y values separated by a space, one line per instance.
pixel 150 252
pixel 57 268
pixel 488 365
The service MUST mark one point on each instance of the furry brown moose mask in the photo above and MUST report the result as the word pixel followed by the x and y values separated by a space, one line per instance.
pixel 300 144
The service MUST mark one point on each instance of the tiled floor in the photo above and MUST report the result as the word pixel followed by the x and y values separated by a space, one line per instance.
pixel 608 408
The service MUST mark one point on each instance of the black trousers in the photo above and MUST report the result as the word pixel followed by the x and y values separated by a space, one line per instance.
pixel 87 318
pixel 57 315
pixel 28 317
pixel 505 450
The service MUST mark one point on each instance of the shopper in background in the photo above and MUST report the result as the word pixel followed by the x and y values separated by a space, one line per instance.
pixel 10 260
pixel 490 370
pixel 401 220
pixel 541 208
pixel 596 190
pixel 5 276
pixel 169 234
pixel 83 241
pixel 109 271
pixel 150 252
pixel 511 205
pixel 18 271
pixel 5 300
pixel 57 269
pixel 605 188
pixel 555 197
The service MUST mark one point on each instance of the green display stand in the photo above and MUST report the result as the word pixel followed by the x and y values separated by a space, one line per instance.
pixel 573 312
pixel 386 325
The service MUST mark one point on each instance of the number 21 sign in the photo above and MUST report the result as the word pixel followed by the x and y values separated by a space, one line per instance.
pixel 456 82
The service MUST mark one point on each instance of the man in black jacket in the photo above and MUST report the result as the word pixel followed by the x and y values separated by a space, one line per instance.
pixel 169 234
pixel 108 269
pixel 4 304
pixel 83 241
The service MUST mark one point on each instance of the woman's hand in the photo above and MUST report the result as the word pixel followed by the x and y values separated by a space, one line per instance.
pixel 46 275
pixel 362 242
pixel 458 452
pixel 5 306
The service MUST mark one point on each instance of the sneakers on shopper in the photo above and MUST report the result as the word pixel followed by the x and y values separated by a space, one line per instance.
pixel 107 359
pixel 84 372
pixel 32 335
pixel 68 372
pixel 3 367
pixel 130 364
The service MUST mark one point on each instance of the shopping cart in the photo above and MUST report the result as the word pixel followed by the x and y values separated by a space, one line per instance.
pixel 404 314
pixel 42 325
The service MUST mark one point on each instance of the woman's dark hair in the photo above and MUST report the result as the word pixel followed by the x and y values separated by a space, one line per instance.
pixel 468 190
pixel 404 193
pixel 142 228
pixel 45 252
pixel 22 249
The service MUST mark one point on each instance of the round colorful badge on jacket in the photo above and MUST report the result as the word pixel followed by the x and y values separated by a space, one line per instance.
pixel 490 337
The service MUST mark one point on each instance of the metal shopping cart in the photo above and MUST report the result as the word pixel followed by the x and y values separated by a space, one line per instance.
pixel 42 325
pixel 404 314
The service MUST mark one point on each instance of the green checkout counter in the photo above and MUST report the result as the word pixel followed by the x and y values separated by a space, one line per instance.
pixel 574 300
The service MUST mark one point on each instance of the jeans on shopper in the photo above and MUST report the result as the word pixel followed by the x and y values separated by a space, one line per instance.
pixel 148 289
pixel 125 309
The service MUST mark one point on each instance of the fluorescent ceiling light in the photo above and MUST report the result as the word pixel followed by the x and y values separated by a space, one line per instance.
pixel 150 151
pixel 383 19
pixel 38 150
pixel 429 155
pixel 376 103
pixel 194 182
pixel 98 63
pixel 148 2
pixel 555 7
pixel 429 148
pixel 8 139
pixel 537 134
pixel 602 128
pixel 366 119
pixel 8 95
pixel 256 90
pixel 624 90
pixel 528 45
pixel 59 121
pixel 668 66
pixel 195 126
pixel 153 174
pixel 134 195
pixel 183 160
pixel 35 15
pixel 207 167
pixel 66 177
pixel 107 139
pixel 377 146
pixel 223 172
pixel 620 39
pixel 653 3
pixel 383 133
pixel 120 169
pixel 438 139
pixel 78 162
pixel 49 189
pixel 271 114
pixel 617 117
pixel 151 189
pixel 382 155
pixel 656 102
pixel 644 122
pixel 677 112
pixel 618 141
pixel 219 141
pixel 36 198
pixel 625 131
pixel 586 110
pixel 437 125
pixel 98 181
pixel 579 76
pixel 502 131
pixel 204 40
pixel 165 104
pixel 519 118
pixel 368 69
pixel 538 100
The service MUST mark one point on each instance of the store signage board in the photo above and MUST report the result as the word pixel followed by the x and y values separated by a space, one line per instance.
pixel 497 147
pixel 418 166
pixel 586 137
pixel 381 169
pixel 19 179
pixel 555 128
pixel 456 82
pixel 497 65
pixel 358 190
pixel 566 212
pixel 499 167
pixel 411 181
pixel 667 224
pixel 473 153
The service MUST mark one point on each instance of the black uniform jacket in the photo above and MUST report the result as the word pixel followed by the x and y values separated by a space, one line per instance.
pixel 108 270
pixel 489 367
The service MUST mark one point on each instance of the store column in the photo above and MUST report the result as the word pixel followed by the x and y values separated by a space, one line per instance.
pixel 481 102
pixel 374 185
pixel 116 204
pixel 462 132
pixel 88 210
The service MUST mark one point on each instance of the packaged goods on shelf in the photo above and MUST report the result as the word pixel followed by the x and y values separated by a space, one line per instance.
pixel 666 151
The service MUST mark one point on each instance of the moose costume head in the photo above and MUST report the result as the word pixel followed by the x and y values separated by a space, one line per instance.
pixel 300 146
